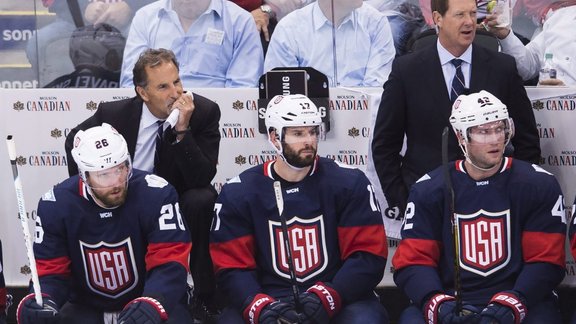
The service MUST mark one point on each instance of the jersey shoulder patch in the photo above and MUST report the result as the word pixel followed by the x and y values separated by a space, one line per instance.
pixel 155 181
pixel 49 196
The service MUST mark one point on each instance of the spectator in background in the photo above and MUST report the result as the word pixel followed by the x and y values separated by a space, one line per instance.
pixel 185 154
pixel 216 42
pixel 418 95
pixel 557 37
pixel 364 46
pixel 96 52
pixel 405 18
pixel 47 49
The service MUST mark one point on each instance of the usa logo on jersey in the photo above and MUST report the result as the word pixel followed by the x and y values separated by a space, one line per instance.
pixel 110 267
pixel 308 242
pixel 484 241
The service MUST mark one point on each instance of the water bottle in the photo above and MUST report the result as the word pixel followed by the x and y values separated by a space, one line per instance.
pixel 548 71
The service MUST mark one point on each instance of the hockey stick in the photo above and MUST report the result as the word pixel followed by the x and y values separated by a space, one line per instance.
pixel 24 219
pixel 287 245
pixel 455 233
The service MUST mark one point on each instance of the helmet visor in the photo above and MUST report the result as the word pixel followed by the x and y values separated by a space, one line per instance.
pixel 111 177
pixel 304 134
pixel 491 133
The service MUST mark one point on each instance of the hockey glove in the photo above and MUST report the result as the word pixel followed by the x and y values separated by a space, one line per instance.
pixel 441 309
pixel 143 310
pixel 265 309
pixel 29 312
pixel 319 303
pixel 505 307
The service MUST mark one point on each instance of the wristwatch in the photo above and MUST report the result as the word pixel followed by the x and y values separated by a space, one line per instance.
pixel 267 9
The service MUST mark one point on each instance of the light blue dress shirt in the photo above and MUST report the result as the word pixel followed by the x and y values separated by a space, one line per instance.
pixel 222 48
pixel 364 46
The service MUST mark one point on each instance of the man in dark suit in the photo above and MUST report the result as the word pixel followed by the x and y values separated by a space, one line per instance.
pixel 187 155
pixel 416 101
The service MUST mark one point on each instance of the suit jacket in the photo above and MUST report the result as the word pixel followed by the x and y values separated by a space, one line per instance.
pixel 416 103
pixel 190 163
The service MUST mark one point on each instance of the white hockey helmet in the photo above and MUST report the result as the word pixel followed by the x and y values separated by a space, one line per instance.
pixel 476 109
pixel 99 148
pixel 294 110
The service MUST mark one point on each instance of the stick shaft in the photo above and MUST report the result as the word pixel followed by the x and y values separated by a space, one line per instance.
pixel 24 219
pixel 287 245
pixel 454 221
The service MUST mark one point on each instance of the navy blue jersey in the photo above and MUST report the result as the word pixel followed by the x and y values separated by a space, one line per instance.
pixel 334 226
pixel 511 234
pixel 572 233
pixel 103 258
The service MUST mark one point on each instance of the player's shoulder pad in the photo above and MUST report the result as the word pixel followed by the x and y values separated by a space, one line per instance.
pixel 235 179
pixel 155 181
pixel 49 195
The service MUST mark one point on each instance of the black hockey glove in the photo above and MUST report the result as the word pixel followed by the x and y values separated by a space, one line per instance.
pixel 143 310
pixel 29 312
pixel 319 303
pixel 441 309
pixel 505 307
pixel 264 309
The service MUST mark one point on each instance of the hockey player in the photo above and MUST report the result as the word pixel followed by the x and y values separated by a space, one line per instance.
pixel 110 245
pixel 572 237
pixel 332 224
pixel 510 230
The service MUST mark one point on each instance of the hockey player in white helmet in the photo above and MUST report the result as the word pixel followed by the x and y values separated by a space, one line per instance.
pixel 330 216
pixel 111 245
pixel 104 164
pixel 481 118
pixel 293 111
pixel 488 245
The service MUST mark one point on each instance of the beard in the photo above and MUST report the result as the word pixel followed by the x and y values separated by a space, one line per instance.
pixel 297 158
pixel 106 198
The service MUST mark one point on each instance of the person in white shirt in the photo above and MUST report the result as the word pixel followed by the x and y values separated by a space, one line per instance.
pixel 358 52
pixel 557 37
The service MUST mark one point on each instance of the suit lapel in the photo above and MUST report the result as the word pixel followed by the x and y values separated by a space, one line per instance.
pixel 132 124
pixel 436 83
pixel 480 72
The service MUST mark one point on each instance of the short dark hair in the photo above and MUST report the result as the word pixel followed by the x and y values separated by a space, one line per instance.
pixel 150 58
pixel 439 5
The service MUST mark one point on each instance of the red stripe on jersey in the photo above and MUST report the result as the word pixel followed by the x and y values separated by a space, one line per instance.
pixel 416 252
pixel 56 266
pixel 267 168
pixel 162 253
pixel 544 247
pixel 2 299
pixel 460 166
pixel 507 164
pixel 371 239
pixel 237 253
pixel 573 246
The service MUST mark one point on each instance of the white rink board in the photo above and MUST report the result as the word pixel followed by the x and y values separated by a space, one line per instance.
pixel 39 120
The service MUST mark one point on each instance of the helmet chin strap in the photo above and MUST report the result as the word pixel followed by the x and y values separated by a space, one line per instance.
pixel 96 200
pixel 281 154
pixel 469 160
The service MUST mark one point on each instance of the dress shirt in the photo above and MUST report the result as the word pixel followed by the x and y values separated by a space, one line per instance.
pixel 221 48
pixel 146 143
pixel 449 69
pixel 557 37
pixel 364 45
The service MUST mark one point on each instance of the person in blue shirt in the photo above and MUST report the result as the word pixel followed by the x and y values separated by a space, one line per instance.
pixel 215 41
pixel 360 56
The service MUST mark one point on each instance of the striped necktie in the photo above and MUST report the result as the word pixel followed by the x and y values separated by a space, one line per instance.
pixel 458 84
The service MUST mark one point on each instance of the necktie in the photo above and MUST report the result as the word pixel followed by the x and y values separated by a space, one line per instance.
pixel 159 134
pixel 458 84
